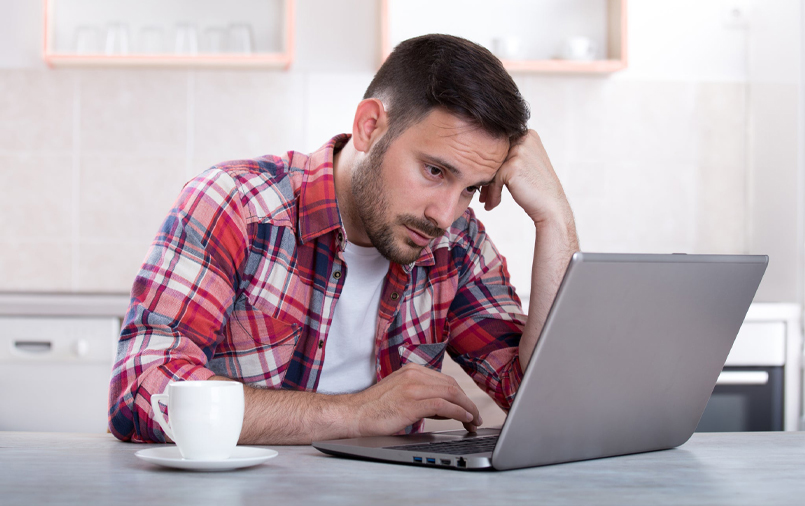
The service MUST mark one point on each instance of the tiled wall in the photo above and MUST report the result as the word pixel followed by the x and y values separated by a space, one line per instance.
pixel 93 159
pixel 694 148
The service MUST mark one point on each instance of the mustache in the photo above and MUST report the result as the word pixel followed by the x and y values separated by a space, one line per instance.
pixel 421 225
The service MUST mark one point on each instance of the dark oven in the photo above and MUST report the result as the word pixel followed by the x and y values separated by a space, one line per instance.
pixel 746 399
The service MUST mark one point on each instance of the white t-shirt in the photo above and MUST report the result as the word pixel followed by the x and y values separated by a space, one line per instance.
pixel 349 355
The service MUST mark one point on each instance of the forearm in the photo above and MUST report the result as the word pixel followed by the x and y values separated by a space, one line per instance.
pixel 407 395
pixel 554 246
pixel 292 417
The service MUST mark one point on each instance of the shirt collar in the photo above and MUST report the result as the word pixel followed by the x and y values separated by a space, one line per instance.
pixel 318 208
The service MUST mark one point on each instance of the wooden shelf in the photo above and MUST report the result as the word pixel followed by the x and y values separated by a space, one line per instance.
pixel 57 57
pixel 615 40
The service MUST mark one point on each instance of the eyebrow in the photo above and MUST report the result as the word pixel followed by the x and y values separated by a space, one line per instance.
pixel 435 160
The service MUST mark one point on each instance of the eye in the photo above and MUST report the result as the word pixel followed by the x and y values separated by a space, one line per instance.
pixel 471 190
pixel 433 171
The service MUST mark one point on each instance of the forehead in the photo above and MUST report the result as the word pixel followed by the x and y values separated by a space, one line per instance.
pixel 448 137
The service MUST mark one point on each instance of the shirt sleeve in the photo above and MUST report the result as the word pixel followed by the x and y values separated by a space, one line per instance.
pixel 486 319
pixel 179 302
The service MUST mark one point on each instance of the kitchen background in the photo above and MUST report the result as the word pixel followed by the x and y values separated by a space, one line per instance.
pixel 696 147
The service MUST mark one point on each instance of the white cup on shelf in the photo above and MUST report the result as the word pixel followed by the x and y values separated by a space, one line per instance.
pixel 205 417
pixel 186 39
pixel 240 38
pixel 578 49
pixel 117 39
pixel 506 48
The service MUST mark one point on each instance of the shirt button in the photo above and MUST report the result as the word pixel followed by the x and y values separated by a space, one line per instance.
pixel 340 237
pixel 395 296
pixel 321 344
pixel 337 274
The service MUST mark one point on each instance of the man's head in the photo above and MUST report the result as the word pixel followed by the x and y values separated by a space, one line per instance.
pixel 454 74
pixel 435 124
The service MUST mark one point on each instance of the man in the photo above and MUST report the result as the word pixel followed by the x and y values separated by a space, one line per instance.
pixel 333 284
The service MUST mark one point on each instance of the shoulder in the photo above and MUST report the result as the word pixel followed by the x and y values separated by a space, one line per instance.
pixel 265 188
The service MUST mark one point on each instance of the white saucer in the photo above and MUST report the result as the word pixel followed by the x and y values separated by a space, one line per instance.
pixel 242 456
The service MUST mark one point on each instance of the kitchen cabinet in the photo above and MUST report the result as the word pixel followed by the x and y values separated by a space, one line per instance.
pixel 554 36
pixel 237 33
pixel 767 350
pixel 56 356
pixel 56 372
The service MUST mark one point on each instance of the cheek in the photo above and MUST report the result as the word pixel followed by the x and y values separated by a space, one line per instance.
pixel 405 190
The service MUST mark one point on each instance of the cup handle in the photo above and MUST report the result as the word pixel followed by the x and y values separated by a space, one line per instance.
pixel 157 413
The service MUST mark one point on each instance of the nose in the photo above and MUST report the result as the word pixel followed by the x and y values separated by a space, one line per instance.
pixel 443 209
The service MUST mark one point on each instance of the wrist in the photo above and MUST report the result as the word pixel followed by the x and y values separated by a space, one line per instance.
pixel 558 226
pixel 558 212
pixel 346 414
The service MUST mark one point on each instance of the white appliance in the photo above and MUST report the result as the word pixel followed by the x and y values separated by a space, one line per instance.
pixel 760 388
pixel 56 355
pixel 55 372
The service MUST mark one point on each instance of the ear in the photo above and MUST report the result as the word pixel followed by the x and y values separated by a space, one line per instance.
pixel 371 122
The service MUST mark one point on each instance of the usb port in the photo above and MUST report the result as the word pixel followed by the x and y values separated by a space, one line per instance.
pixel 445 462
pixel 418 459
pixel 431 460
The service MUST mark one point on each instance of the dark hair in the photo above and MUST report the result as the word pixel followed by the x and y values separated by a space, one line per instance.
pixel 460 76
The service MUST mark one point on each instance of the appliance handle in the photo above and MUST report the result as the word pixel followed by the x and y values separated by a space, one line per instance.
pixel 743 378
pixel 32 347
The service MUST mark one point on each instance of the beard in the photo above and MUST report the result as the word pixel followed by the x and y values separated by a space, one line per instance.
pixel 371 207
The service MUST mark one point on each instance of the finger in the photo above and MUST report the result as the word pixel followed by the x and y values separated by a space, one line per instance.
pixel 437 407
pixel 431 374
pixel 482 195
pixel 470 427
pixel 452 394
pixel 493 194
pixel 427 383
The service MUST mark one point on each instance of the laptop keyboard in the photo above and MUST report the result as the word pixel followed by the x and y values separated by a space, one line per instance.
pixel 457 447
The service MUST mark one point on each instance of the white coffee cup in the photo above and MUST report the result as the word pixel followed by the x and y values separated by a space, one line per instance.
pixel 205 417
pixel 506 48
pixel 578 48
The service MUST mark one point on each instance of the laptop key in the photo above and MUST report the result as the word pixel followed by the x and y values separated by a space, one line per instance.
pixel 459 447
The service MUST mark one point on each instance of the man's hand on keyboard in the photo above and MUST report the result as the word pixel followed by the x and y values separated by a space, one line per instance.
pixel 407 395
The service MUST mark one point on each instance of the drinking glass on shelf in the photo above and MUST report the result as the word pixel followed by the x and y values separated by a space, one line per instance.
pixel 152 40
pixel 186 39
pixel 87 40
pixel 214 40
pixel 240 38
pixel 117 38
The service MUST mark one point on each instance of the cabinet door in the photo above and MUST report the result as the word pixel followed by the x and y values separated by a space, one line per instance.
pixel 55 372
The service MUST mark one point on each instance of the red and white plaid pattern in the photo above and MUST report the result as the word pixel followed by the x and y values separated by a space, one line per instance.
pixel 239 282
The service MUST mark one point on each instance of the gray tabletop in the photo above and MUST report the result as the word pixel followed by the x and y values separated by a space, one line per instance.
pixel 734 469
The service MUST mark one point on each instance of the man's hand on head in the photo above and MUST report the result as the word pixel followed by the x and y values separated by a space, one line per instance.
pixel 528 174
pixel 408 395
pixel 532 182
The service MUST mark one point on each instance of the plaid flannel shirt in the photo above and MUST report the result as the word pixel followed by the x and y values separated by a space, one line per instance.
pixel 243 277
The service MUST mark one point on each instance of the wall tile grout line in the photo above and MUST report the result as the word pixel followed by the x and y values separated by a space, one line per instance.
pixel 191 118
pixel 305 108
pixel 76 190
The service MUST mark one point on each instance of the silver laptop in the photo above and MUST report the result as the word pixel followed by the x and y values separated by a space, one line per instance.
pixel 626 362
